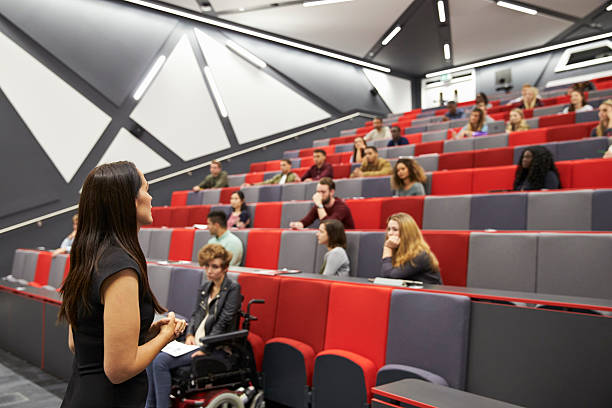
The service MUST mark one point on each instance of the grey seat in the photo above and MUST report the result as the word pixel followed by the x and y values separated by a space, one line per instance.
pixel 447 212
pixel 235 180
pixel 352 250
pixel 499 126
pixel 428 182
pixel 251 193
pixel 490 142
pixel 200 238
pixel 415 129
pixel 587 116
pixel 380 143
pixel 270 193
pixel 399 151
pixel 311 188
pixel 159 245
pixel 591 148
pixel 503 261
pixel 533 122
pixel 295 211
pixel 376 186
pixel 320 142
pixel 211 196
pixel 185 285
pixel 195 197
pixel 344 147
pixel 298 250
pixel 19 260
pixel 434 136
pixel 552 147
pixel 243 235
pixel 460 145
pixel 560 210
pixel 56 271
pixel 159 281
pixel 548 110
pixel 601 218
pixel 438 126
pixel 429 162
pixel 369 262
pixel 290 154
pixel 383 152
pixel 293 192
pixel 575 265
pixel 602 93
pixel 499 211
pixel 349 187
pixel 144 238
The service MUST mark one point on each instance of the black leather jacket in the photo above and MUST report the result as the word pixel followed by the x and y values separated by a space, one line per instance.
pixel 223 315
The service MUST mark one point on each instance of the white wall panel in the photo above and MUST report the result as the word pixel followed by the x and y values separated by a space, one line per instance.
pixel 178 110
pixel 395 91
pixel 126 146
pixel 258 104
pixel 65 123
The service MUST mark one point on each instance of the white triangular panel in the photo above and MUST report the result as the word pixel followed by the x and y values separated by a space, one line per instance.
pixel 127 147
pixel 65 123
pixel 395 91
pixel 258 104
pixel 178 110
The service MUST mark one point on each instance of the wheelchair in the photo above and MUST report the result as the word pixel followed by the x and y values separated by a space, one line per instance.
pixel 226 377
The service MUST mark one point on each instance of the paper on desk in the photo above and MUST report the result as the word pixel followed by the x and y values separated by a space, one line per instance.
pixel 176 348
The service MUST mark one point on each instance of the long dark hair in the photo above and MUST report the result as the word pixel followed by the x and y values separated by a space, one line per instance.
pixel 415 173
pixel 335 233
pixel 481 120
pixel 240 194
pixel 541 164
pixel 107 217
pixel 571 107
pixel 355 149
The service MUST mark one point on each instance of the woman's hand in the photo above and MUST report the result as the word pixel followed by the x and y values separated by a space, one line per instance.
pixel 190 340
pixel 392 242
pixel 198 354
pixel 156 326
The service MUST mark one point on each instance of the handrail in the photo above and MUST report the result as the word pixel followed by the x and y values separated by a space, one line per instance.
pixel 198 166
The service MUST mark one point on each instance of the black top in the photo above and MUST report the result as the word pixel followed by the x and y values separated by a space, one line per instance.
pixel 551 182
pixel 420 269
pixel 89 386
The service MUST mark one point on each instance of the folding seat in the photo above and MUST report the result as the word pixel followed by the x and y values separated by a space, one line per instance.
pixel 235 180
pixel 290 154
pixel 161 216
pixel 410 205
pixel 57 271
pixel 296 163
pixel 384 152
pixel 587 116
pixel 348 188
pixel 144 238
pixel 159 280
pixel 263 249
pixel 41 273
pixel 159 243
pixel 431 345
pixel 295 211
pixel 447 212
pixel 366 213
pixel 251 193
pixel 345 147
pixel 320 142
pixel 451 249
pixel 562 269
pixel 293 192
pixel 460 145
pixel 335 158
pixel 533 123
pixel 181 244
pixel 490 142
pixel 401 151
pixel 298 250
pixel 195 197
pixel 592 173
pixel 414 138
pixel 352 250
pixel 532 136
pixel 548 110
pixel 601 219
pixel 376 187
pixel 198 214
pixel 452 181
pixel 185 286
pixel 494 157
pixel 253 178
pixel 345 371
pixel 269 174
pixel 311 188
pixel 435 136
pixel 267 215
pixel 225 195
pixel 256 286
pixel 499 211
pixel 225 208
pixel 369 261
pixel 380 143
pixel 555 120
pixel 179 198
pixel 437 126
pixel 179 216
pixel 259 166
pixel 342 170
pixel 200 238
pixel 491 179
pixel 415 129
pixel 429 147
pixel 428 162
pixel 560 210
pixel 457 160
pixel 506 261
pixel 212 195
pixel 518 151
pixel 243 236
pixel 569 132
pixel 591 148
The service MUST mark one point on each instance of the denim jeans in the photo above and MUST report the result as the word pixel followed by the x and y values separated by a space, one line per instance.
pixel 160 383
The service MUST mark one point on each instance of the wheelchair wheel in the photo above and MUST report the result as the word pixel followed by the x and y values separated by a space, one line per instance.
pixel 258 401
pixel 226 400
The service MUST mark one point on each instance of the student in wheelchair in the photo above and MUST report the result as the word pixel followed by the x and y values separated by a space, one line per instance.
pixel 217 312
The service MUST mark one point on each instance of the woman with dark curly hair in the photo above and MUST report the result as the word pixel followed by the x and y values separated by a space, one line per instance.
pixel 408 178
pixel 536 170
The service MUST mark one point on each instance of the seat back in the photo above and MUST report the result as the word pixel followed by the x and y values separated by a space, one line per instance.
pixel 263 249
pixel 159 280
pixel 200 238
pixel 179 216
pixel 348 188
pixel 159 243
pixel 195 197
pixel 428 162
pixel 601 218
pixel 560 210
pixel 211 196
pixel 490 142
pixel 451 249
pixel 493 178
pixel 293 192
pixel 181 244
pixel 410 205
pixel 447 212
pixel 295 211
pixel 41 275
pixel 499 211
pixel 264 287
pixel 57 270
pixel 582 149
pixel 298 250
pixel 144 238
pixel 376 186
pixel 185 285
pixel 19 263
pixel 369 262
pixel 460 145
pixel 352 251
pixel 29 266
pixel 270 193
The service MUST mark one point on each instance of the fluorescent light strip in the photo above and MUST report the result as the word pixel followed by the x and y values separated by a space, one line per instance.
pixel 215 91
pixel 391 35
pixel 149 77
pixel 245 54
pixel 253 33
pixel 516 7
pixel 519 55
pixel 609 7
pixel 322 2
pixel 441 11
pixel 447 55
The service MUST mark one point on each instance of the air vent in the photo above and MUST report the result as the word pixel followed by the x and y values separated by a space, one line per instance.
pixel 599 52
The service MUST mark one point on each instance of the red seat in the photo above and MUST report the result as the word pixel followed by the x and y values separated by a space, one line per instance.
pixel 259 166
pixel 253 178
pixel 451 249
pixel 335 158
pixel 262 249
pixel 362 131
pixel 253 286
pixel 565 169
pixel 452 181
pixel 161 216
pixel 342 140
pixel 43 264
pixel 456 160
pixel 226 193
pixel 272 165
pixel 342 170
pixel 569 132
pixel 198 214
pixel 179 198
pixel 310 150
pixel 500 156
pixel 555 120
pixel 179 216
pixel 493 178
pixel 366 213
pixel 181 244
pixel 414 138
pixel 268 215
pixel 533 136
pixel 593 173
pixel 429 147
pixel 409 205
pixel 307 162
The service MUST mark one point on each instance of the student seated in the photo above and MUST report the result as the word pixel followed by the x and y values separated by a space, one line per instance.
pixel 217 226
pixel 359 146
pixel 481 97
pixel 453 112
pixel 238 216
pixel 326 206
pixel 408 178
pixel 608 153
pixel 66 244
pixel 372 165
pixel 379 132
pixel 516 122
pixel 530 98
pixel 604 109
pixel 320 168
pixel 216 312
pixel 285 176
pixel 578 102
pixel 216 179
pixel 335 261
pixel 396 137
pixel 483 107
pixel 536 170
pixel 475 127
pixel 405 253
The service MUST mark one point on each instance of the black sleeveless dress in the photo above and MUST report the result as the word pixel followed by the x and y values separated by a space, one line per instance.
pixel 89 387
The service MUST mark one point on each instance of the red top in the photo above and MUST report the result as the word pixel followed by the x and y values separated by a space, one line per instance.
pixel 317 173
pixel 339 211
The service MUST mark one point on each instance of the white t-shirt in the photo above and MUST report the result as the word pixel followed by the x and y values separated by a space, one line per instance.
pixel 383 133
pixel 585 108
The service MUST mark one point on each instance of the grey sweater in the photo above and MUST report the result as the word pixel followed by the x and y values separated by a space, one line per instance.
pixel 336 262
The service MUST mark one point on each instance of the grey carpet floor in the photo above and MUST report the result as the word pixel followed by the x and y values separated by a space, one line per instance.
pixel 24 385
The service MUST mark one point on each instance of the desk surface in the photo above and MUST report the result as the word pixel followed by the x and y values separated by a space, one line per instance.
pixel 423 394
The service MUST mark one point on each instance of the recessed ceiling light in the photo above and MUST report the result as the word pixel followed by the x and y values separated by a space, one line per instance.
pixel 149 77
pixel 392 34
pixel 241 9
pixel 447 51
pixel 215 91
pixel 441 11
pixel 322 2
pixel 245 54
pixel 516 7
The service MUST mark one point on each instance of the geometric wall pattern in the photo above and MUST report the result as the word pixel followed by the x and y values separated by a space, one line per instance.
pixel 395 91
pixel 258 104
pixel 65 123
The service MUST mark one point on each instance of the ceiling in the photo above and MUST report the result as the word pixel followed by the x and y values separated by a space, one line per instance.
pixel 475 29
